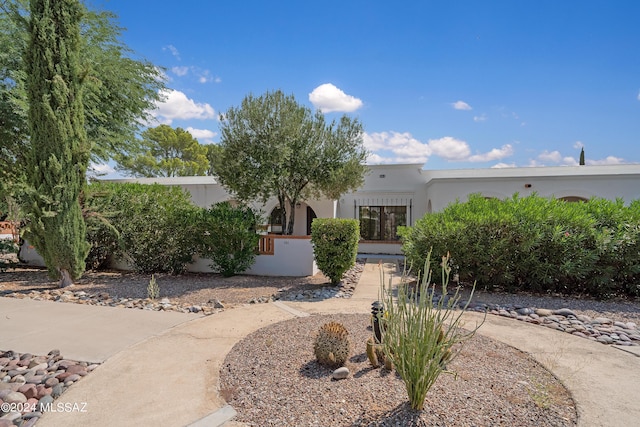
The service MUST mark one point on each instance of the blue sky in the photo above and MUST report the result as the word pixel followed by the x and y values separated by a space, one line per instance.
pixel 464 84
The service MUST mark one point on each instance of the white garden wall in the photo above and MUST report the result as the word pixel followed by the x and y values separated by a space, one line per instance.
pixel 292 256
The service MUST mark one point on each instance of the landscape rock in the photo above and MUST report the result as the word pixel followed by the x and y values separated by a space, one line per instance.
pixel 341 373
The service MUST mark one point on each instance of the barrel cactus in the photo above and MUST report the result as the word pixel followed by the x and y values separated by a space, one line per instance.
pixel 332 346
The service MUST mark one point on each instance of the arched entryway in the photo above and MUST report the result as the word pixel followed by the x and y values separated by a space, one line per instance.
pixel 304 216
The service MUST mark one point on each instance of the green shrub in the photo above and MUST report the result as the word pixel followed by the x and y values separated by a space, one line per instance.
pixel 335 245
pixel 420 330
pixel 103 237
pixel 535 244
pixel 8 254
pixel 156 225
pixel 227 237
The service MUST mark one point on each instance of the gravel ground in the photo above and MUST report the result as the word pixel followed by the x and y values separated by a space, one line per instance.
pixel 188 289
pixel 272 379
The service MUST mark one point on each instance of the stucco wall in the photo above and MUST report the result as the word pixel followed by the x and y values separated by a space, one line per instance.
pixel 442 192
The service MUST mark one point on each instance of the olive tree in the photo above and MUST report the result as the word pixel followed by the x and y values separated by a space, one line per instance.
pixel 272 146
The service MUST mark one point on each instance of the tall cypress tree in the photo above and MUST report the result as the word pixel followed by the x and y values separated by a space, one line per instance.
pixel 59 151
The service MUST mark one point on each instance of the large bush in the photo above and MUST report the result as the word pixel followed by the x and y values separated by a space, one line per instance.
pixel 156 224
pixel 335 245
pixel 102 235
pixel 228 237
pixel 535 244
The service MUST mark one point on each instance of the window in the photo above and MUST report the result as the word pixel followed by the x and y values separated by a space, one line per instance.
pixel 381 222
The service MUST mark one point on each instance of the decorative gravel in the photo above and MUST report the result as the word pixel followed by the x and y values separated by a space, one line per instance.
pixel 272 379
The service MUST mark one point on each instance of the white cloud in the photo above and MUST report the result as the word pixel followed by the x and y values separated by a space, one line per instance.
pixel 176 105
pixel 205 135
pixel 375 159
pixel 328 98
pixel 578 145
pixel 101 168
pixel 217 80
pixel 638 96
pixel 569 161
pixel 461 105
pixel 205 76
pixel 173 50
pixel 480 118
pixel 494 154
pixel 450 148
pixel 609 160
pixel 395 147
pixel 503 165
pixel 553 156
pixel 180 71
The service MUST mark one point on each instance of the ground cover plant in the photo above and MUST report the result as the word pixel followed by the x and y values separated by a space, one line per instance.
pixel 535 244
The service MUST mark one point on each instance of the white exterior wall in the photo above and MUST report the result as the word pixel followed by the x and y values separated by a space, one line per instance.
pixel 387 185
pixel 292 257
pixel 608 182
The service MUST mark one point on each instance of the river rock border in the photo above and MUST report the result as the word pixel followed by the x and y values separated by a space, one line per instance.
pixel 600 329
pixel 30 384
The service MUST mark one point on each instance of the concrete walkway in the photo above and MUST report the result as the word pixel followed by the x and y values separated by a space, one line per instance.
pixel 166 373
pixel 86 333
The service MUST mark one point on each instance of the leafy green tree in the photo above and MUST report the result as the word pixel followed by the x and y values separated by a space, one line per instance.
pixel 582 157
pixel 166 152
pixel 119 90
pixel 59 151
pixel 213 151
pixel 274 147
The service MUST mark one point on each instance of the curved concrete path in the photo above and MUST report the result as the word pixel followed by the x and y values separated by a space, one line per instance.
pixel 171 377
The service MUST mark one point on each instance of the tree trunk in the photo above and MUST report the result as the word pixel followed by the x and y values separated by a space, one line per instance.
pixel 65 278
pixel 292 217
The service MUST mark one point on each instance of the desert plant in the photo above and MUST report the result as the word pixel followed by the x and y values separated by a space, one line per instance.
pixel 376 356
pixel 421 329
pixel 335 245
pixel 228 237
pixel 332 346
pixel 153 290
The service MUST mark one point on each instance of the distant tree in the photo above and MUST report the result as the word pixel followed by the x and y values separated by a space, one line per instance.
pixel 582 157
pixel 213 151
pixel 119 91
pixel 166 152
pixel 59 152
pixel 271 146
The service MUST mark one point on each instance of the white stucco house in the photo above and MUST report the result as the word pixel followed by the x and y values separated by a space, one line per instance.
pixel 395 195
pixel 398 195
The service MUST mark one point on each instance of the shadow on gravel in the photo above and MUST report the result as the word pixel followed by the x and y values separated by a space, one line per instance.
pixel 401 415
pixel 315 371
